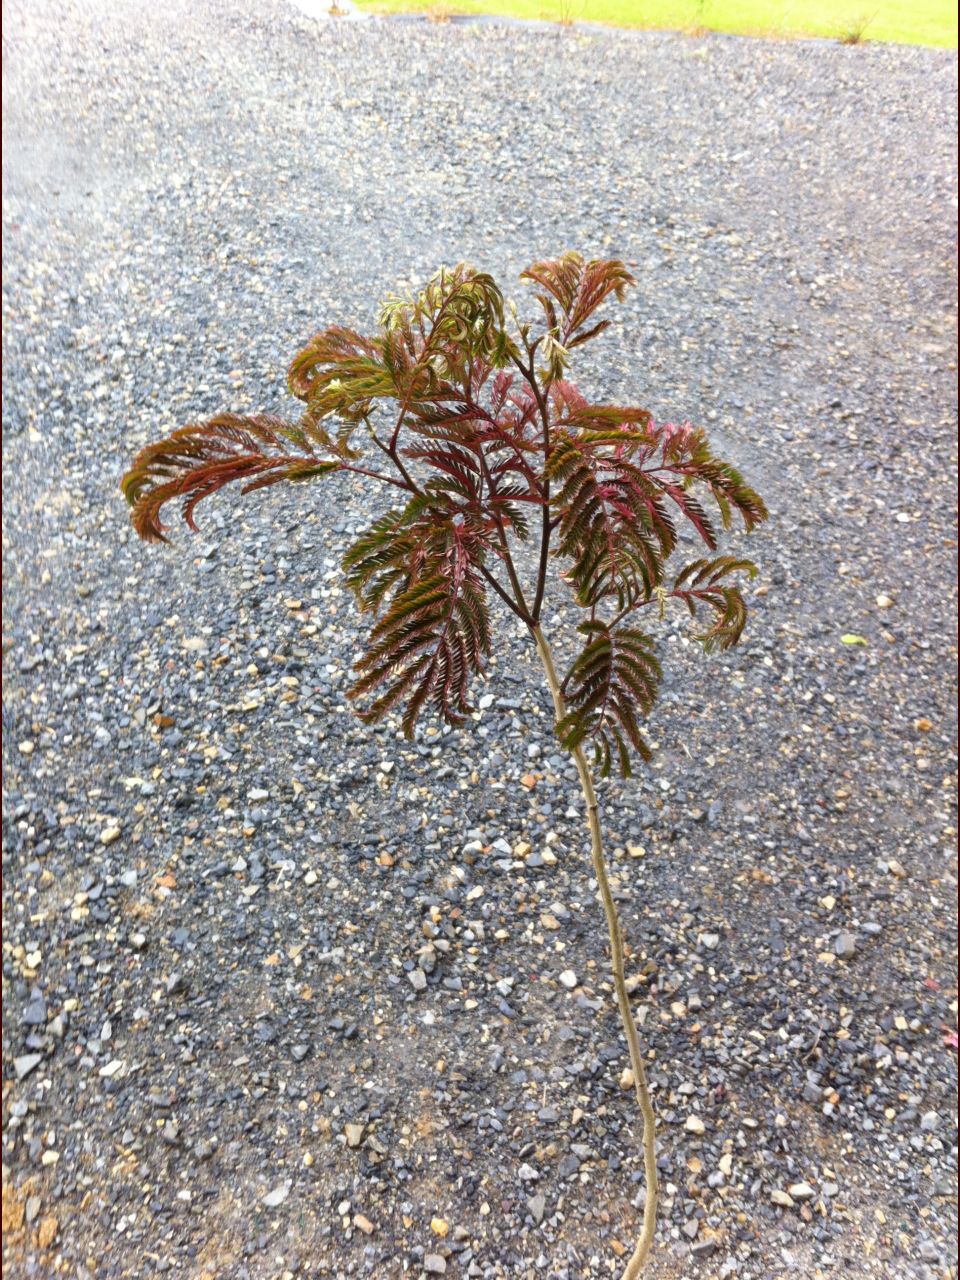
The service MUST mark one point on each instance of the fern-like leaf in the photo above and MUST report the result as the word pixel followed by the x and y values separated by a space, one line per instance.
pixel 340 371
pixel 702 583
pixel 612 522
pixel 573 290
pixel 458 314
pixel 201 459
pixel 611 685
pixel 435 633
pixel 686 455
pixel 387 556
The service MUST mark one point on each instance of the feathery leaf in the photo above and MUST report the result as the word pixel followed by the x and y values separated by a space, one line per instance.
pixel 435 633
pixel 611 685
pixel 577 288
pixel 201 459
pixel 611 519
pixel 702 582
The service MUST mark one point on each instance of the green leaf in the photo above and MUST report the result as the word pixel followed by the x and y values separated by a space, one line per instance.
pixel 701 583
pixel 611 684
pixel 435 633
pixel 611 522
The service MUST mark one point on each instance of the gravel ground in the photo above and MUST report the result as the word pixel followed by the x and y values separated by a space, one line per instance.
pixel 281 993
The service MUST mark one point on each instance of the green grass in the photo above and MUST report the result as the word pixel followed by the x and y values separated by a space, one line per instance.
pixel 929 22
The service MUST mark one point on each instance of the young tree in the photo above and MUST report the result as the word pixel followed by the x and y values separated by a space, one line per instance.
pixel 467 416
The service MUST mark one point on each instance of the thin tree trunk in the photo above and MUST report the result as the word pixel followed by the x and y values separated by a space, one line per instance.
pixel 639 1257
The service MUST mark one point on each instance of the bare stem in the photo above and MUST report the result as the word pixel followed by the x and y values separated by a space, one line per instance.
pixel 506 597
pixel 502 539
pixel 377 475
pixel 530 374
pixel 640 1253
pixel 394 456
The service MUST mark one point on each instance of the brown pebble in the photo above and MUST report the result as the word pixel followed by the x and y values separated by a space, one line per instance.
pixel 47 1231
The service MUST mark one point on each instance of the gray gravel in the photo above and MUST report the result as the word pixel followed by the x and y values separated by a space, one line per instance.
pixel 286 996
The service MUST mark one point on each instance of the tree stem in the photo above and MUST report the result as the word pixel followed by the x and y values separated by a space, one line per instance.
pixel 502 539
pixel 531 376
pixel 639 1257
pixel 505 596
